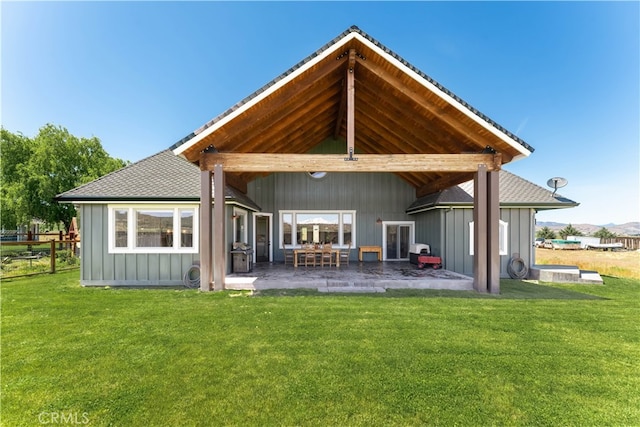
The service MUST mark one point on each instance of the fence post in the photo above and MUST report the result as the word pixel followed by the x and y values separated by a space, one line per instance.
pixel 53 256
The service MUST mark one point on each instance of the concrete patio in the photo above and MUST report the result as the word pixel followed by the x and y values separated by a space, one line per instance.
pixel 355 277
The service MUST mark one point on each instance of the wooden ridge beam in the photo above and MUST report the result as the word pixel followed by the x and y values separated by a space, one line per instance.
pixel 283 162
pixel 351 104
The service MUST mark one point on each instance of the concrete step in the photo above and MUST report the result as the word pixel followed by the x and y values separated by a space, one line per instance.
pixel 354 289
pixel 564 274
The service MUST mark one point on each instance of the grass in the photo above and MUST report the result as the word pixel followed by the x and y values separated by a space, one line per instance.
pixel 609 263
pixel 535 355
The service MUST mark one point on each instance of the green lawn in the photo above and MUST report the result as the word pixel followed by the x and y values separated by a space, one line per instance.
pixel 536 355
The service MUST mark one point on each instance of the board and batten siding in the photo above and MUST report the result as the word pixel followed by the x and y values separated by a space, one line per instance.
pixel 100 268
pixel 371 195
pixel 453 245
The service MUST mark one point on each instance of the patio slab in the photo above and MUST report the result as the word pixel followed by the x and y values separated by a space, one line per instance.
pixel 355 277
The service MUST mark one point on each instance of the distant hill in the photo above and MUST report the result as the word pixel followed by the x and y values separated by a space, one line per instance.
pixel 628 229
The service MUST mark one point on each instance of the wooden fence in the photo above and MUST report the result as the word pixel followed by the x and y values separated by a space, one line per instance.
pixel 18 258
pixel 630 243
pixel 14 236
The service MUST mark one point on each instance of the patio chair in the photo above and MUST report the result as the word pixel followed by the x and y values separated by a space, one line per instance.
pixel 344 255
pixel 288 255
pixel 326 255
pixel 309 255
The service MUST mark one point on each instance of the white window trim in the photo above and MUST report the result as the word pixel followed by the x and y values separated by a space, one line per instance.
pixel 502 244
pixel 294 229
pixel 244 215
pixel 412 237
pixel 131 228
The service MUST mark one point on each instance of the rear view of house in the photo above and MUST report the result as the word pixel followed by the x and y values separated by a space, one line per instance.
pixel 352 146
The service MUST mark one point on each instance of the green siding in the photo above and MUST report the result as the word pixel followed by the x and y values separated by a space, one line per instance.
pixel 100 268
pixel 371 195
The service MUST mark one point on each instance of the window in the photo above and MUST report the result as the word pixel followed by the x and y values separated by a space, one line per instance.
pixel 335 227
pixel 240 234
pixel 502 232
pixel 152 229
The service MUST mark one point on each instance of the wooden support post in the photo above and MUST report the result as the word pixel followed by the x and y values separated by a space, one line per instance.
pixel 53 256
pixel 351 98
pixel 219 242
pixel 480 230
pixel 493 232
pixel 205 230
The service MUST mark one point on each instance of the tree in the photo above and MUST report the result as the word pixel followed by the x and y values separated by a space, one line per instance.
pixel 603 233
pixel 57 162
pixel 569 230
pixel 15 150
pixel 546 233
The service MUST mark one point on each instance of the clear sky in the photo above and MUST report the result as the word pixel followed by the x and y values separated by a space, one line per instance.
pixel 563 76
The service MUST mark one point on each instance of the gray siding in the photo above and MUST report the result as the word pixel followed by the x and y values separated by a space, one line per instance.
pixel 100 268
pixel 447 232
pixel 371 195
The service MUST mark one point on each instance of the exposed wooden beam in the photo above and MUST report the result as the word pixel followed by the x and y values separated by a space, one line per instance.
pixel 442 183
pixel 287 95
pixel 450 180
pixel 443 115
pixel 236 182
pixel 280 162
pixel 351 105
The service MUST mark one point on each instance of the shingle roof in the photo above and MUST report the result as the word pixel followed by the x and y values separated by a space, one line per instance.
pixel 161 177
pixel 514 191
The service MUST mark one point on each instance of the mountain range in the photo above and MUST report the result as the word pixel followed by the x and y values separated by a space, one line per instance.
pixel 627 229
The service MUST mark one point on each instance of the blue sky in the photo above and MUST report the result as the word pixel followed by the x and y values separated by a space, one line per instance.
pixel 565 77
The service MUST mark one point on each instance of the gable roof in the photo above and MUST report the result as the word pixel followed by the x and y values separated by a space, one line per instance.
pixel 514 192
pixel 161 177
pixel 398 109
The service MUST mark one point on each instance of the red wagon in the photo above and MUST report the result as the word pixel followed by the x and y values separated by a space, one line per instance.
pixel 434 261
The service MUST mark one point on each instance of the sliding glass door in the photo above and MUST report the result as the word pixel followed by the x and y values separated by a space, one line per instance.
pixel 397 239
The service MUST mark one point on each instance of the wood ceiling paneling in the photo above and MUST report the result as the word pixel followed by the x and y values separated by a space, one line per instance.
pixel 394 114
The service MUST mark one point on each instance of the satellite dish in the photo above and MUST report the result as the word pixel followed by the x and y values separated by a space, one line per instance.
pixel 556 183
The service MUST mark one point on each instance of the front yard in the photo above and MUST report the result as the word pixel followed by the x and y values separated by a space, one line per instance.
pixel 535 355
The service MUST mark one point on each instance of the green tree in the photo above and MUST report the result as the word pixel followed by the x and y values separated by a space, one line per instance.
pixel 569 230
pixel 546 233
pixel 58 161
pixel 15 150
pixel 603 233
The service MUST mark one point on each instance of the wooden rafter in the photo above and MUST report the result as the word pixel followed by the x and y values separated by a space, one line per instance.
pixel 341 111
pixel 442 114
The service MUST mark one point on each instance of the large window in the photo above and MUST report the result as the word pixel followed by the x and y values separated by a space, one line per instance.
pixel 153 229
pixel 335 227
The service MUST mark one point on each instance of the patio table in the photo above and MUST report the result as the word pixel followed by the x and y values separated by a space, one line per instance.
pixel 318 251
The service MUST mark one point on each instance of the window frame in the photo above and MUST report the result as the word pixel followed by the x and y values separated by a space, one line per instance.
pixel 503 239
pixel 294 226
pixel 133 209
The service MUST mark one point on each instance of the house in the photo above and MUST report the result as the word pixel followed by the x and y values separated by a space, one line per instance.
pixel 351 145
